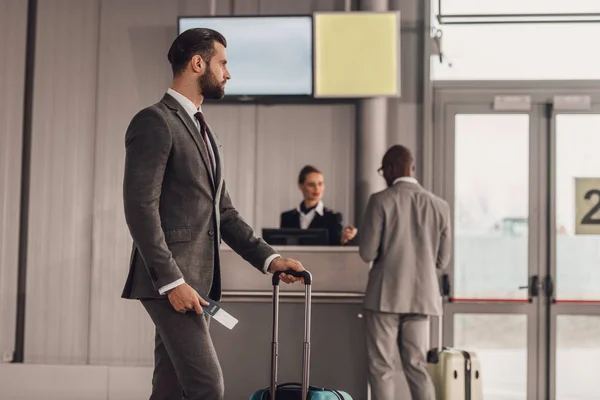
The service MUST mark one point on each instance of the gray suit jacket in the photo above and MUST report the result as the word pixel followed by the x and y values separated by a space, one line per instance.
pixel 176 212
pixel 406 233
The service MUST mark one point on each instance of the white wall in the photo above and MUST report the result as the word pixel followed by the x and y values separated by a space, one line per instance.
pixel 62 177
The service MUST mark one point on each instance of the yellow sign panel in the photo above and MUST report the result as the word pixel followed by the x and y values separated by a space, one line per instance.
pixel 587 206
pixel 357 54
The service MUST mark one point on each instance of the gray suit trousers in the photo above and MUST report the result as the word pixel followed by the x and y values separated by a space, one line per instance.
pixel 185 361
pixel 409 333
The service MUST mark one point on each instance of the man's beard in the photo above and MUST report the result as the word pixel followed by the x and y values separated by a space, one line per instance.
pixel 210 87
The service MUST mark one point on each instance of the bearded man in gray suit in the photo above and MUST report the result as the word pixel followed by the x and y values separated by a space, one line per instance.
pixel 406 234
pixel 178 210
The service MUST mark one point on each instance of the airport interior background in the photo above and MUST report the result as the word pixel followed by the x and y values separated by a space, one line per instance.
pixel 498 99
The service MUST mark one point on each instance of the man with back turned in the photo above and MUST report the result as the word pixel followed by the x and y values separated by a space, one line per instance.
pixel 178 209
pixel 406 234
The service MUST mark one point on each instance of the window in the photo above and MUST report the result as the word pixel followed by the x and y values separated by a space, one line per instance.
pixel 517 6
pixel 491 206
pixel 525 51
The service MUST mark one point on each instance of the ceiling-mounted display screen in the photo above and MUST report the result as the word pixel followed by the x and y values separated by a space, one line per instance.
pixel 267 55
pixel 357 54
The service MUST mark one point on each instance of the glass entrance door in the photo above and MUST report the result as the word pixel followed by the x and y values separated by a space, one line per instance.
pixel 575 256
pixel 490 176
pixel 525 295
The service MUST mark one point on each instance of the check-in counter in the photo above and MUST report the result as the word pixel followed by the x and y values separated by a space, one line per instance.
pixel 338 357
pixel 336 271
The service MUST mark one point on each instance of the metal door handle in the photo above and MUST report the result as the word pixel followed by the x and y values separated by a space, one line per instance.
pixel 534 286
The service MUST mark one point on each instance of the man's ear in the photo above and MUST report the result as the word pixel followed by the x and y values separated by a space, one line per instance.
pixel 197 64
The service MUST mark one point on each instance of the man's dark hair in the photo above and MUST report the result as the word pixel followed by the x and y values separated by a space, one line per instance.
pixel 197 41
pixel 308 169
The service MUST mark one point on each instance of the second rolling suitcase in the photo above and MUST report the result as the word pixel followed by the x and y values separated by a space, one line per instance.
pixel 456 374
pixel 292 390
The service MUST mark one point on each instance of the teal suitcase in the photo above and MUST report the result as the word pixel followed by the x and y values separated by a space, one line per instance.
pixel 293 390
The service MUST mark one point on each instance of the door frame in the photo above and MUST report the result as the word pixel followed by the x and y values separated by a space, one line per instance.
pixel 450 98
pixel 444 185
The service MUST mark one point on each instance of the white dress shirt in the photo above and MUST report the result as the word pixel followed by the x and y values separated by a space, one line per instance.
pixel 306 219
pixel 191 109
pixel 408 179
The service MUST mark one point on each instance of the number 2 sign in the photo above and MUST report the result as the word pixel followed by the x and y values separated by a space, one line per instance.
pixel 587 206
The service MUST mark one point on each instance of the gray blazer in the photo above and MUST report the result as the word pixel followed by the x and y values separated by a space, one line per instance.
pixel 406 233
pixel 176 212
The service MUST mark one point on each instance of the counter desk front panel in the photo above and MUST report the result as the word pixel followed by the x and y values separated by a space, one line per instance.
pixel 334 270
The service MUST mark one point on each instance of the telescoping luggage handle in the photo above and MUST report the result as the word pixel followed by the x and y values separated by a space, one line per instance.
pixel 433 355
pixel 274 347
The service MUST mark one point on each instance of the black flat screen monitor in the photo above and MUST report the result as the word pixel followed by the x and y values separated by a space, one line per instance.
pixel 267 56
pixel 296 237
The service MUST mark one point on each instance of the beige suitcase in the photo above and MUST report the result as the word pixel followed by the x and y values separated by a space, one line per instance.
pixel 456 374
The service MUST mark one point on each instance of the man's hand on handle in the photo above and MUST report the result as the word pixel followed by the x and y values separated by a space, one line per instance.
pixel 184 298
pixel 284 264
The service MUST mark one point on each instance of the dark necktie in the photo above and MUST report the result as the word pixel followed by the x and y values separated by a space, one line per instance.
pixel 204 134
pixel 306 210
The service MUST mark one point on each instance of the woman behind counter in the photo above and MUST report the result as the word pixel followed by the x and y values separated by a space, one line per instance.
pixel 312 214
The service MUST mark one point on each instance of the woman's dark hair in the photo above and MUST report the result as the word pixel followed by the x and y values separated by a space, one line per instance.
pixel 308 169
pixel 197 41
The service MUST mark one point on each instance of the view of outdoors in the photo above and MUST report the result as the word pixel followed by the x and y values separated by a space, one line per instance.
pixel 491 206
pixel 500 341
pixel 577 362
pixel 516 6
pixel 577 256
pixel 577 259
pixel 517 51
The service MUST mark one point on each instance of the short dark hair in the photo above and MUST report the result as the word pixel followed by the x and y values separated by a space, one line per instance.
pixel 308 169
pixel 196 41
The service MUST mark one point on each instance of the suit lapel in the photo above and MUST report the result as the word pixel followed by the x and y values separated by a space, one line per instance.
pixel 192 130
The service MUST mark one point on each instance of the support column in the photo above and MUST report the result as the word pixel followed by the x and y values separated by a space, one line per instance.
pixel 407 122
pixel 371 140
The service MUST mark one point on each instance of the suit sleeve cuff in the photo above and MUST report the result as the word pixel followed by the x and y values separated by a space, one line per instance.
pixel 170 286
pixel 268 262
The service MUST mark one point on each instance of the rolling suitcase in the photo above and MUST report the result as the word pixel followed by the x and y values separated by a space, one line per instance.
pixel 293 390
pixel 456 374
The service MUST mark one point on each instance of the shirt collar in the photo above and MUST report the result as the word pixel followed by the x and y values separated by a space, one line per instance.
pixel 186 103
pixel 319 209
pixel 408 179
